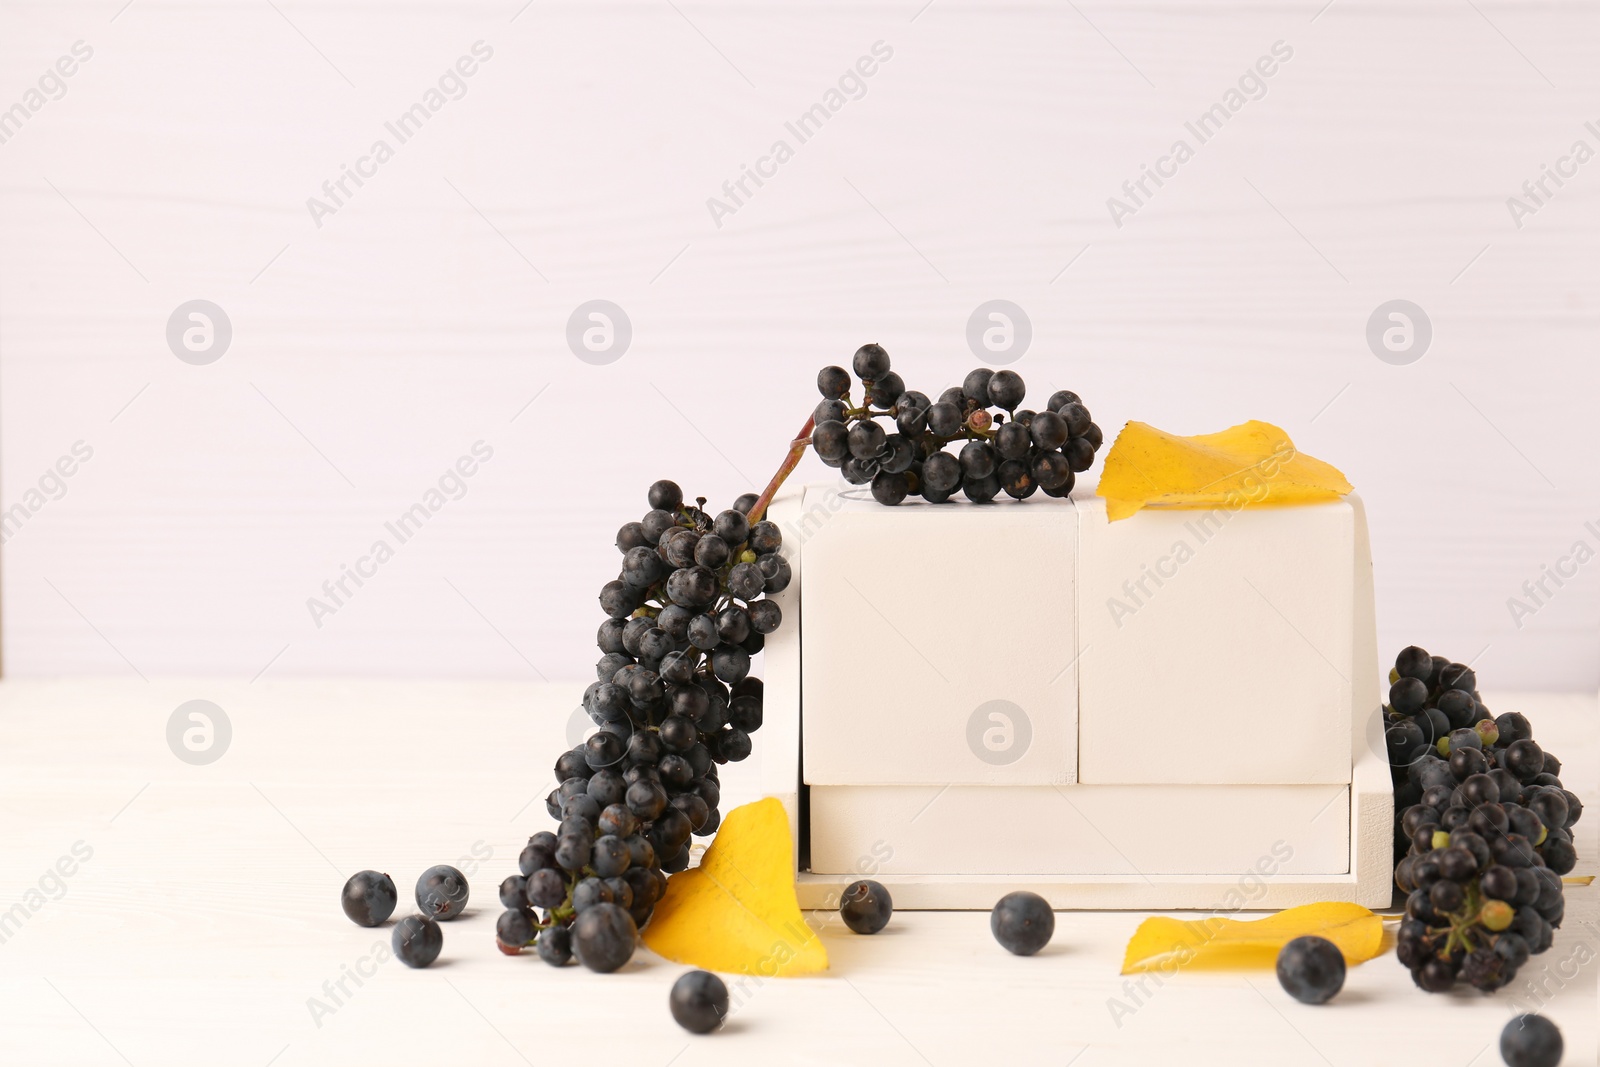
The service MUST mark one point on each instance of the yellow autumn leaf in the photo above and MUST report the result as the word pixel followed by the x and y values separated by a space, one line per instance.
pixel 1216 944
pixel 737 911
pixel 1254 464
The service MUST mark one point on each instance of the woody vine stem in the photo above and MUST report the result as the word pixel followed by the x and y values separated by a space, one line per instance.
pixel 797 449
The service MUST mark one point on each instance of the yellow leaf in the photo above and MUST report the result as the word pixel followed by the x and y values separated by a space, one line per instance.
pixel 1253 464
pixel 1216 944
pixel 737 911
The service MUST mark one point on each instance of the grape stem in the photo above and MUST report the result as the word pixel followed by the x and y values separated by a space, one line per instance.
pixel 797 449
pixel 802 441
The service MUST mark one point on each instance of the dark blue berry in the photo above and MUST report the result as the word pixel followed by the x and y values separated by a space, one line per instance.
pixel 870 362
pixel 944 419
pixel 733 745
pixel 416 940
pixel 696 810
pixel 1006 390
pixel 975 386
pixel 646 799
pixel 1311 969
pixel 666 495
pixel 369 898
pixel 732 527
pixel 730 664
pixel 572 850
pixel 442 892
pixel 546 888
pixel 1523 758
pixel 603 937
pixel 1408 695
pixel 607 787
pixel 1022 922
pixel 765 616
pixel 699 1002
pixel 886 390
pixel 1514 727
pixel 1414 662
pixel 554 945
pixel 866 440
pixel 1061 398
pixel 512 931
pixel 833 382
pixel 1531 1041
pixel 866 906
pixel 583 806
pixel 677 733
pixel 589 893
pixel 641 854
pixel 514 891
pixel 1076 417
pixel 604 750
pixel 1049 431
pixel 610 855
pixel 537 856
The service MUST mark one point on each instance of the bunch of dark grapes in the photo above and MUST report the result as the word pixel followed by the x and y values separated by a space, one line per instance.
pixel 673 699
pixel 1483 829
pixel 1033 451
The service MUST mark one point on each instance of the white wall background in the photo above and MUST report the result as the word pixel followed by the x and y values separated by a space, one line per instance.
pixel 369 353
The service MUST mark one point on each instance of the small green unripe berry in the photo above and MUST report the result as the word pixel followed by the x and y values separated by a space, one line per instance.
pixel 1496 915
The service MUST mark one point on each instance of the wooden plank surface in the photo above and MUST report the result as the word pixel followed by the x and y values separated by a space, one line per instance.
pixel 205 918
pixel 429 311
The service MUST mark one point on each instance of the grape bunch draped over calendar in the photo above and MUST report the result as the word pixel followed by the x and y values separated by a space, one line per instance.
pixel 673 698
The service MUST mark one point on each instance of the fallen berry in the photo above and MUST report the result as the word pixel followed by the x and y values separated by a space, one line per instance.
pixel 699 1001
pixel 369 898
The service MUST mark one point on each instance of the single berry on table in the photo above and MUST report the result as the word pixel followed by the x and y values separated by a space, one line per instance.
pixel 416 940
pixel 699 1001
pixel 369 898
pixel 866 906
pixel 1022 922
pixel 442 892
pixel 1531 1041
pixel 1312 969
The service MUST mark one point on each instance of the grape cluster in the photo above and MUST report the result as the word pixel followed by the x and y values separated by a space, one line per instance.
pixel 673 699
pixel 1034 451
pixel 1483 829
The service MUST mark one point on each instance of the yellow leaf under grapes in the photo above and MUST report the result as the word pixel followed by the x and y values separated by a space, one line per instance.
pixel 1217 944
pixel 737 911
pixel 1253 464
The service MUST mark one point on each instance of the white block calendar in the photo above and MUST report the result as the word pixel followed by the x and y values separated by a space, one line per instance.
pixel 907 648
pixel 966 700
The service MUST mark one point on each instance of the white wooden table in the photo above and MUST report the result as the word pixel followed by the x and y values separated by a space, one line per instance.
pixel 206 918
